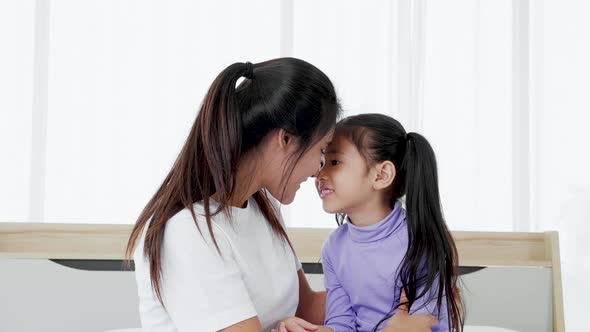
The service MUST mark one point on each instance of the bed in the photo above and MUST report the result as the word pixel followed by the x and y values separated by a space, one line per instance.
pixel 71 277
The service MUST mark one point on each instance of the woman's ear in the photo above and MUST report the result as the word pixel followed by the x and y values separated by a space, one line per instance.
pixel 284 139
pixel 383 175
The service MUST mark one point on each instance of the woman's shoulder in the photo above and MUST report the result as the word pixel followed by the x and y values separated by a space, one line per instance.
pixel 186 229
pixel 197 211
pixel 187 235
pixel 222 223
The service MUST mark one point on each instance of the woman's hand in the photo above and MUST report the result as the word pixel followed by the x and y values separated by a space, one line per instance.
pixel 402 321
pixel 295 324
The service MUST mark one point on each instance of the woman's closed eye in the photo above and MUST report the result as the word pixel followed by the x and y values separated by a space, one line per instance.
pixel 323 159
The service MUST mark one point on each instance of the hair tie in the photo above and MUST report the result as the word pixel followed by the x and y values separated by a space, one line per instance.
pixel 249 70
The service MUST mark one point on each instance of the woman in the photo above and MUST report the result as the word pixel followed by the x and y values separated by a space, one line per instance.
pixel 210 248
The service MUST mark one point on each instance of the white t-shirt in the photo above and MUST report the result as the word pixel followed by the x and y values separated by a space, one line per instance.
pixel 203 291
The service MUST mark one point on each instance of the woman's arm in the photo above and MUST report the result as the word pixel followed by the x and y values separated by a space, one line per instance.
pixel 248 325
pixel 312 305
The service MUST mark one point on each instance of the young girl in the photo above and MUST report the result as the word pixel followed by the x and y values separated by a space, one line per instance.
pixel 383 248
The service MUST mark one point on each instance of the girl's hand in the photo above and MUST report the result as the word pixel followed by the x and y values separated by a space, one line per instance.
pixel 295 324
pixel 402 321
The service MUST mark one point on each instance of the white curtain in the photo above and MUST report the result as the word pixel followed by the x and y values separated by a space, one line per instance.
pixel 560 77
pixel 16 86
pixel 96 98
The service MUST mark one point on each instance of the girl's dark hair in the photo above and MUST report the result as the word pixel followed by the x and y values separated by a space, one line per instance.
pixel 286 93
pixel 431 261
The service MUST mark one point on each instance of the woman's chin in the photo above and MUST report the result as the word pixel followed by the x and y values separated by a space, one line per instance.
pixel 287 199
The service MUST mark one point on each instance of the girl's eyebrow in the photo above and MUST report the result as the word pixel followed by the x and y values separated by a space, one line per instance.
pixel 333 151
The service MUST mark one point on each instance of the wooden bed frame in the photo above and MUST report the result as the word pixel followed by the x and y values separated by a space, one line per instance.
pixel 107 242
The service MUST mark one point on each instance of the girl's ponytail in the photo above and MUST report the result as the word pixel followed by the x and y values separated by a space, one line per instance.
pixel 431 261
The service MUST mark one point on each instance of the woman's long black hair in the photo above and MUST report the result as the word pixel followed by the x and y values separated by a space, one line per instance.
pixel 285 93
pixel 431 262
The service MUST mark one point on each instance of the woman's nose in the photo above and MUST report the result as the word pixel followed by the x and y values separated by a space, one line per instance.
pixel 319 173
pixel 322 163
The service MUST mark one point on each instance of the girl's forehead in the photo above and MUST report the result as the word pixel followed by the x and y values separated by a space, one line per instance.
pixel 340 144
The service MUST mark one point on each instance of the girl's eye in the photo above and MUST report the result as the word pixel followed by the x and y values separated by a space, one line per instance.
pixel 335 162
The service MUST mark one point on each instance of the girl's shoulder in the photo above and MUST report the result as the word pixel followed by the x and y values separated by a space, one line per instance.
pixel 336 237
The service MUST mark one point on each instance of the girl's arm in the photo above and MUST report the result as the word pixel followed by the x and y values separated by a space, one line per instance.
pixel 332 307
pixel 402 321
pixel 339 313
pixel 312 305
pixel 427 305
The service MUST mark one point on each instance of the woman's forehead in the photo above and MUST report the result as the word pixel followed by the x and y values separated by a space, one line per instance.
pixel 329 136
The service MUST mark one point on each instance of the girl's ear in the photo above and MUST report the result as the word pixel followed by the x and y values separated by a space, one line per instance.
pixel 384 173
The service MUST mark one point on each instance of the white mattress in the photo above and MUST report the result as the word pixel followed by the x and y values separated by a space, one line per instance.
pixel 468 328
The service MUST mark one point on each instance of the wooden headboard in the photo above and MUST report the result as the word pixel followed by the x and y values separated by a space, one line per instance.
pixel 108 242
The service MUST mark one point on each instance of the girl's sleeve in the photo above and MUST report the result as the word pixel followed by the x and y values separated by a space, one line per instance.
pixel 201 289
pixel 339 314
pixel 427 305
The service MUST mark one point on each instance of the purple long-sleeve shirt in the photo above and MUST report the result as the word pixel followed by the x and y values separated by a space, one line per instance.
pixel 360 266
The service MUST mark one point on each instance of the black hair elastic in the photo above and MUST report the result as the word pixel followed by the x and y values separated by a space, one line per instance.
pixel 249 70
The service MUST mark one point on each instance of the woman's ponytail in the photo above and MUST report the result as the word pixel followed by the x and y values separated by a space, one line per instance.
pixel 219 128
